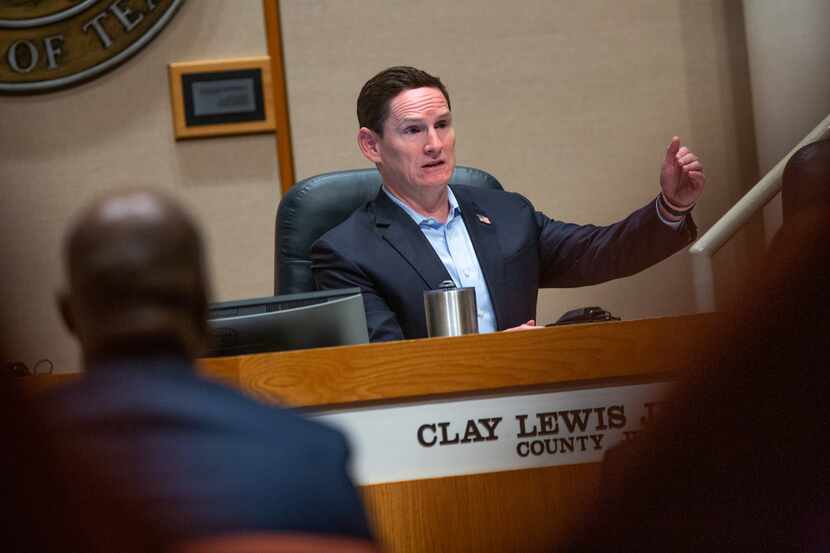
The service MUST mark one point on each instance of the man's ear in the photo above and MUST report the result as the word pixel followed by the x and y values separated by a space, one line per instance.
pixel 368 141
pixel 62 299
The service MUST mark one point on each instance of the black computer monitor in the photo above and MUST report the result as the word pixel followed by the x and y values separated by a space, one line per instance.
pixel 292 321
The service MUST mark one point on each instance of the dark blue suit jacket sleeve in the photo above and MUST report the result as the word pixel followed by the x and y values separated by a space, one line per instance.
pixel 581 255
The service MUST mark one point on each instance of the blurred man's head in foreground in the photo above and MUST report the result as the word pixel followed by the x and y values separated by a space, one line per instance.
pixel 135 277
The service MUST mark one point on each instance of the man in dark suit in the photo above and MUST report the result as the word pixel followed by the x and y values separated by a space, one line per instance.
pixel 419 231
pixel 193 457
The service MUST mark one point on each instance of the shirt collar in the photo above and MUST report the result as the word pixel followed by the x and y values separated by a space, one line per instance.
pixel 419 219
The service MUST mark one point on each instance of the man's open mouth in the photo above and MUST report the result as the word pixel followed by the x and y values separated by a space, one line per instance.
pixel 434 164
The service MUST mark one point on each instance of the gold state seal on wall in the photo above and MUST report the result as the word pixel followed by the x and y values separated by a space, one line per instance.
pixel 50 44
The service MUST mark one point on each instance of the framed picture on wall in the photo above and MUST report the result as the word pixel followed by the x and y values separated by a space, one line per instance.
pixel 226 97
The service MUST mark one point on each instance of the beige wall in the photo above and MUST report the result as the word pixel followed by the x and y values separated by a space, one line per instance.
pixel 58 150
pixel 789 53
pixel 569 103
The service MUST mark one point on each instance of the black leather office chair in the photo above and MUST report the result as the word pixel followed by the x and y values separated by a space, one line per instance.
pixel 317 204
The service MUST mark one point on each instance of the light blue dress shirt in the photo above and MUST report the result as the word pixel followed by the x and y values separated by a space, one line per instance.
pixel 455 249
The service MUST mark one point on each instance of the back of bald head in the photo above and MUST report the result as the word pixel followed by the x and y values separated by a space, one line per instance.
pixel 136 277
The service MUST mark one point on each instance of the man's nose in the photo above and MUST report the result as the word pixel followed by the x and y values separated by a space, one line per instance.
pixel 433 144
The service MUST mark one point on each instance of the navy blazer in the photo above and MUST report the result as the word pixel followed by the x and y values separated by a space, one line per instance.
pixel 195 458
pixel 381 250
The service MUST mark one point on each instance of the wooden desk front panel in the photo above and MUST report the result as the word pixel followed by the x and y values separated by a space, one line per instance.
pixel 523 511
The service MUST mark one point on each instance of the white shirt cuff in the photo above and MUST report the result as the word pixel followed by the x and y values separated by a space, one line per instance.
pixel 673 224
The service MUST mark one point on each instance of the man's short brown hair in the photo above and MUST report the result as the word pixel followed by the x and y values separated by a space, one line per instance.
pixel 374 98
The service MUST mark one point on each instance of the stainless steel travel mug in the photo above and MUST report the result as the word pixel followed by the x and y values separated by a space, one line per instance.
pixel 451 311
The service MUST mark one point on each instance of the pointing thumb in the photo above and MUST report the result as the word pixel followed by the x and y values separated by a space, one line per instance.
pixel 673 148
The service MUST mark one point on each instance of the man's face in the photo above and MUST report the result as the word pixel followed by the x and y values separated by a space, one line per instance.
pixel 417 149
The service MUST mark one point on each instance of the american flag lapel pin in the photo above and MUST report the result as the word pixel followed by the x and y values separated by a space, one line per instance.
pixel 483 218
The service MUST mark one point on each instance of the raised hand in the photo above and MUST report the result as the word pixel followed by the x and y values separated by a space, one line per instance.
pixel 681 176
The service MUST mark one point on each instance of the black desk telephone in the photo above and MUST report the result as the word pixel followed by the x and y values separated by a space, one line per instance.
pixel 585 315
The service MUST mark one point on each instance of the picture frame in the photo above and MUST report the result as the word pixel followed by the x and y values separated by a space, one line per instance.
pixel 222 97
